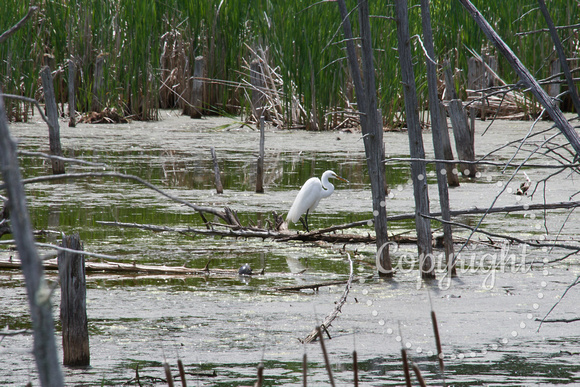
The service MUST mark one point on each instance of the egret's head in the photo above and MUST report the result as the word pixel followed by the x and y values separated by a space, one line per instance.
pixel 335 176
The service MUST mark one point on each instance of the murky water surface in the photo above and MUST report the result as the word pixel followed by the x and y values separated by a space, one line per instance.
pixel 488 318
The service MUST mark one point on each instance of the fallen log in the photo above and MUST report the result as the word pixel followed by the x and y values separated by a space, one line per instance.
pixel 254 232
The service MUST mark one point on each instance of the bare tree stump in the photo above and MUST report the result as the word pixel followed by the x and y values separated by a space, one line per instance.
pixel 97 103
pixel 197 87
pixel 260 164
pixel 73 303
pixel 464 142
pixel 216 170
pixel 72 71
pixel 53 127
pixel 258 85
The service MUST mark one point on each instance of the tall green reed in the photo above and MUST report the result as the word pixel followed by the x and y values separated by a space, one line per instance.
pixel 302 39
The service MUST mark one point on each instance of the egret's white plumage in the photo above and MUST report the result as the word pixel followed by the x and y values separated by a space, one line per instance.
pixel 309 196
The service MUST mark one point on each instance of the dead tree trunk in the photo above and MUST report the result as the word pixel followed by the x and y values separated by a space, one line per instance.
pixel 73 303
pixel 452 175
pixel 371 128
pixel 260 163
pixel 216 170
pixel 53 127
pixel 561 56
pixel 72 73
pixel 38 292
pixel 437 131
pixel 464 138
pixel 418 170
pixel 529 81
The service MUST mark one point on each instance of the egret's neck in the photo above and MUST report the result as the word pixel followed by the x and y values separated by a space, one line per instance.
pixel 327 186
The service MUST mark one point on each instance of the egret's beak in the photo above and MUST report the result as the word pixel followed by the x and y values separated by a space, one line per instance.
pixel 341 178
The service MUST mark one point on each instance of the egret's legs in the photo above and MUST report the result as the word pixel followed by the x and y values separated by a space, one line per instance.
pixel 304 220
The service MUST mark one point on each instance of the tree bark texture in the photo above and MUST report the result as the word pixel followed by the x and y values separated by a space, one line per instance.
pixel 437 128
pixel 418 170
pixel 371 127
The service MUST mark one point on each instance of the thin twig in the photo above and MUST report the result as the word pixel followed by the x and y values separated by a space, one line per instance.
pixel 574 283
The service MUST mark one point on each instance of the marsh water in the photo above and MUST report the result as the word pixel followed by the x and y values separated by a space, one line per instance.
pixel 489 316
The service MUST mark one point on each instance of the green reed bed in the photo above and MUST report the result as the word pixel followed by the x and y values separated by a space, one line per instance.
pixel 301 42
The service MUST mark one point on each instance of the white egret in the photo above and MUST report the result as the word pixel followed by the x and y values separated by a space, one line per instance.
pixel 309 196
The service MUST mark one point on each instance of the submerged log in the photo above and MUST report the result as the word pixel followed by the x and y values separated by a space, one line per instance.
pixel 73 303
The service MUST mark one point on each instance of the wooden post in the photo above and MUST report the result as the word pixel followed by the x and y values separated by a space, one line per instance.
pixel 197 87
pixel 72 71
pixel 418 169
pixel 216 170
pixel 73 303
pixel 464 143
pixel 260 166
pixel 37 290
pixel 97 104
pixel 257 93
pixel 53 126
pixel 555 87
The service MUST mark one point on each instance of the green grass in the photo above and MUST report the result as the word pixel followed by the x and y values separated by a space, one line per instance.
pixel 302 40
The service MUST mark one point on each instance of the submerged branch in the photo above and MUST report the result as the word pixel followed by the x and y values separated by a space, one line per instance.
pixel 337 309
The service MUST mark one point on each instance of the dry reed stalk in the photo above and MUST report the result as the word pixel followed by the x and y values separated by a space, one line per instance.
pixel 325 354
pixel 181 372
pixel 304 370
pixel 355 367
pixel 405 366
pixel 437 342
pixel 168 374
pixel 260 380
pixel 418 374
